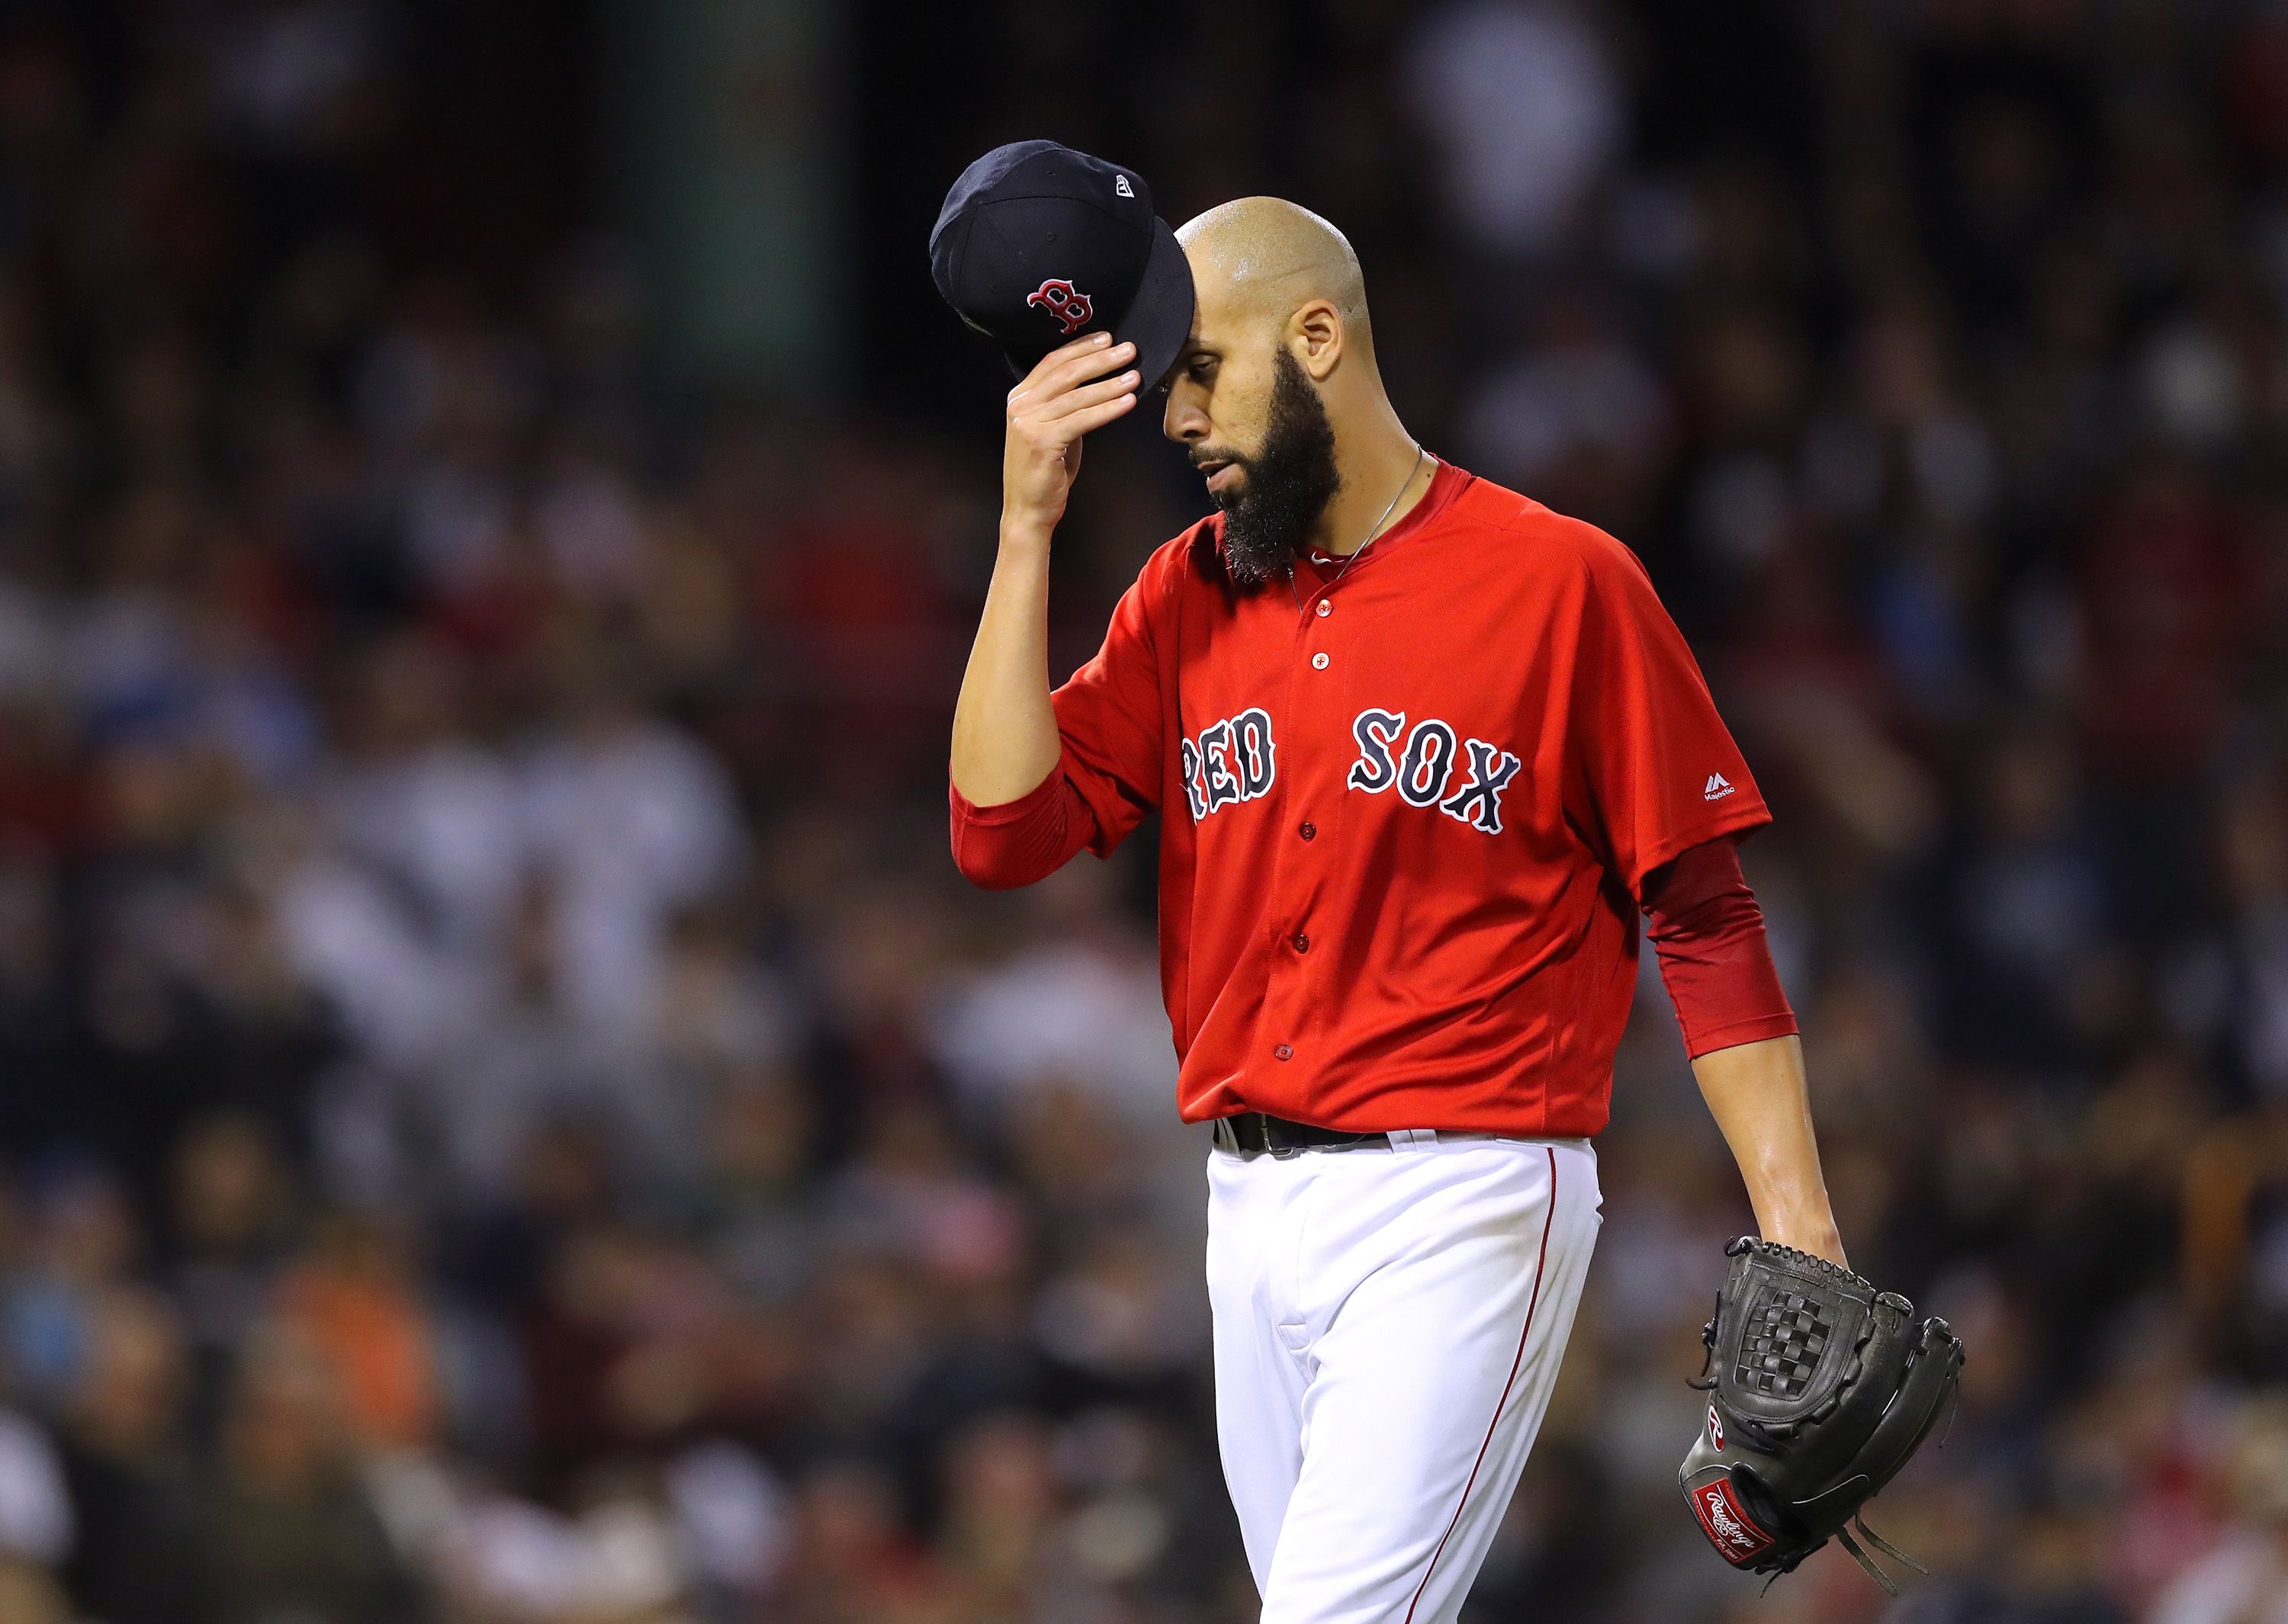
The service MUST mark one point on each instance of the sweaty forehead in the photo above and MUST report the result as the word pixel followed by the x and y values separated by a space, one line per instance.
pixel 1258 258
pixel 1224 305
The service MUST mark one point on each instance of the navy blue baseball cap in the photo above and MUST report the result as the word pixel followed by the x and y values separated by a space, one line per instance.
pixel 1038 244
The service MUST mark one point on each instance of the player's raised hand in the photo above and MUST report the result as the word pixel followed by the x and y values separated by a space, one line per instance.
pixel 1060 399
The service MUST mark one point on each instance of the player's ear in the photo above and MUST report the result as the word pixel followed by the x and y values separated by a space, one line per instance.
pixel 1314 332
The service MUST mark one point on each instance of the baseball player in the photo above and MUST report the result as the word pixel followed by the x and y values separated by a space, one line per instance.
pixel 1422 749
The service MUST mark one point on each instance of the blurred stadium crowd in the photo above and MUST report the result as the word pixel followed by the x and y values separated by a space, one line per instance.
pixel 509 1115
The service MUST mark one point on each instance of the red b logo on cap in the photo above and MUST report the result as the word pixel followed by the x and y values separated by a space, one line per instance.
pixel 1063 301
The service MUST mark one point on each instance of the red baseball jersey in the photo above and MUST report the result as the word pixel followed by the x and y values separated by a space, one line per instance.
pixel 1406 822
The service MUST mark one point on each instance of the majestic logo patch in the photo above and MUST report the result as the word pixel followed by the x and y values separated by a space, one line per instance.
pixel 1715 1428
pixel 1424 769
pixel 1729 1529
pixel 1068 303
pixel 1234 760
pixel 1717 788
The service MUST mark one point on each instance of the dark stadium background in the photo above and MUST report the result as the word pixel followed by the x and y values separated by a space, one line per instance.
pixel 506 1111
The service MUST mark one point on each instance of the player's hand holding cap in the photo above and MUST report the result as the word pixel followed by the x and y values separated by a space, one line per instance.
pixel 1038 244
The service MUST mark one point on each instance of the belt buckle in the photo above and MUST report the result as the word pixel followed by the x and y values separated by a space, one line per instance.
pixel 1279 1153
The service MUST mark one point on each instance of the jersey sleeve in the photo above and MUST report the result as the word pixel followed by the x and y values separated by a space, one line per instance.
pixel 1111 715
pixel 1655 770
pixel 1107 776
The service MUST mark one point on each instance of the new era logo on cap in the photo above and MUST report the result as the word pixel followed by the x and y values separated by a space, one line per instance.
pixel 1121 188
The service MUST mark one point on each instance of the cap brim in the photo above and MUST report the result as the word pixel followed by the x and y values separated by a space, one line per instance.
pixel 1159 319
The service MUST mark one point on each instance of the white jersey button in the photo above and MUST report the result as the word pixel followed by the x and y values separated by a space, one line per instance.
pixel 1325 608
pixel 1319 662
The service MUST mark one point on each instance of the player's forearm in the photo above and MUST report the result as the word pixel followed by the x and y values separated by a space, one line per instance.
pixel 1004 729
pixel 1758 1094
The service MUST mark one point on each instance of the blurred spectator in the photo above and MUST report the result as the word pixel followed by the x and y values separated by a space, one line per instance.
pixel 288 1527
pixel 36 1512
pixel 136 1492
pixel 352 1303
pixel 2247 1576
pixel 1523 100
pixel 634 821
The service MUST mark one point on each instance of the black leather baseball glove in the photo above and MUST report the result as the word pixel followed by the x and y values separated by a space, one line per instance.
pixel 1820 1387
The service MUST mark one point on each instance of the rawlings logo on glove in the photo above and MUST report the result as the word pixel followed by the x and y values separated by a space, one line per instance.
pixel 1820 1389
pixel 1728 1526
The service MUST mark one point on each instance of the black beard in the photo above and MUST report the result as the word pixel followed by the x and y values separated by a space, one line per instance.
pixel 1268 519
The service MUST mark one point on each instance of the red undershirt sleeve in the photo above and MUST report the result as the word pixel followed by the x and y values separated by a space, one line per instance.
pixel 1000 848
pixel 1714 958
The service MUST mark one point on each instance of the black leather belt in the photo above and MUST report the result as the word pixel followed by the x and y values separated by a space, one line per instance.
pixel 1251 1133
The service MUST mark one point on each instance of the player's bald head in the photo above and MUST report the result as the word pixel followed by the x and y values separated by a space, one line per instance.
pixel 1276 394
pixel 1263 258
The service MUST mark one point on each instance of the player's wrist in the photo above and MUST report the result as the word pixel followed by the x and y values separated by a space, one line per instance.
pixel 1026 534
pixel 1817 1236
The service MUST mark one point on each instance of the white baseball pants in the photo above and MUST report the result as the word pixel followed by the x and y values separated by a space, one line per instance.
pixel 1389 1326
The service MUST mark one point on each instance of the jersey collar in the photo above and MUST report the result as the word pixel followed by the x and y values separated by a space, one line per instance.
pixel 1447 481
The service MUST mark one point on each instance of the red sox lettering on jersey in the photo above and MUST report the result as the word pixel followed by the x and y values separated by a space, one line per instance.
pixel 1233 761
pixel 1422 770
pixel 1410 809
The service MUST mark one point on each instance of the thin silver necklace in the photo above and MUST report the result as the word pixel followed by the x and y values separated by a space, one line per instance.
pixel 1374 532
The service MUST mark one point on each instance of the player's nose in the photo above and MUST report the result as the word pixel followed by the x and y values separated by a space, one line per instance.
pixel 1183 421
